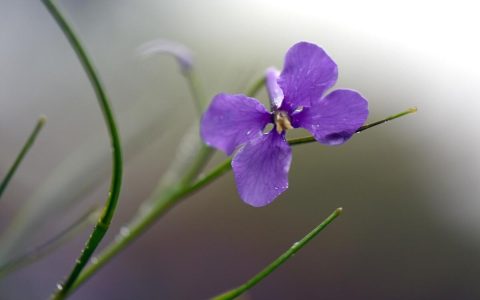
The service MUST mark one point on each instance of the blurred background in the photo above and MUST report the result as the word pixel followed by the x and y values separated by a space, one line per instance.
pixel 409 189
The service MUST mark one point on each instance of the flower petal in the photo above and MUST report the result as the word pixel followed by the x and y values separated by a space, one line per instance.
pixel 232 120
pixel 308 72
pixel 275 93
pixel 335 118
pixel 261 169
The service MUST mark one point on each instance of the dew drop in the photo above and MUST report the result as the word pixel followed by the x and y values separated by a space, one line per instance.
pixel 59 286
pixel 335 138
pixel 297 110
pixel 94 260
pixel 124 231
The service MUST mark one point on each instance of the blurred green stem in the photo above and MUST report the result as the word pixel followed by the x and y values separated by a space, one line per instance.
pixel 256 86
pixel 21 155
pixel 196 90
pixel 105 218
pixel 51 245
pixel 166 200
pixel 280 260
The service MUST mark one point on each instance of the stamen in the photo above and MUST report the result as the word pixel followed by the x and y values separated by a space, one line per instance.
pixel 282 121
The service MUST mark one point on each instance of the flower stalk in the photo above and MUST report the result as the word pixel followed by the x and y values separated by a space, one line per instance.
pixel 232 294
pixel 103 223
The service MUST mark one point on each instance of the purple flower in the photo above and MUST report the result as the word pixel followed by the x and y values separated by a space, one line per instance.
pixel 298 99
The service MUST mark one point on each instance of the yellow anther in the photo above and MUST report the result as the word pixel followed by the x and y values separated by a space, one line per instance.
pixel 282 121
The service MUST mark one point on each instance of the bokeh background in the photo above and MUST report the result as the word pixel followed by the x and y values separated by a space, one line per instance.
pixel 409 189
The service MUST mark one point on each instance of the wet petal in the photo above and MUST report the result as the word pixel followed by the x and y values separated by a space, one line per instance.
pixel 261 169
pixel 232 120
pixel 334 119
pixel 308 72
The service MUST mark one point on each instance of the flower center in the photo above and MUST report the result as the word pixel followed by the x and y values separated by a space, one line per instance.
pixel 282 121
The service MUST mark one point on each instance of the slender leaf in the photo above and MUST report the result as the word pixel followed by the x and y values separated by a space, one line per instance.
pixel 234 293
pixel 21 155
pixel 103 223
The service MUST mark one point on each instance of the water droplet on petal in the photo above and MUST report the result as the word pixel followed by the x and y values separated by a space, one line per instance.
pixel 297 110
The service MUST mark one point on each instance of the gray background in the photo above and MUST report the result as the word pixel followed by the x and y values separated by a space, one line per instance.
pixel 410 228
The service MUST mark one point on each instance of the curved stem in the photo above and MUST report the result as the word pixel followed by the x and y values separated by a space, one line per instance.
pixel 280 260
pixel 117 163
pixel 21 155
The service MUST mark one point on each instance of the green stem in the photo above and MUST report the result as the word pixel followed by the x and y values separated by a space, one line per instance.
pixel 105 218
pixel 26 147
pixel 163 203
pixel 256 86
pixel 196 90
pixel 280 260
pixel 309 139
pixel 411 110
pixel 218 171
pixel 203 156
pixel 50 246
